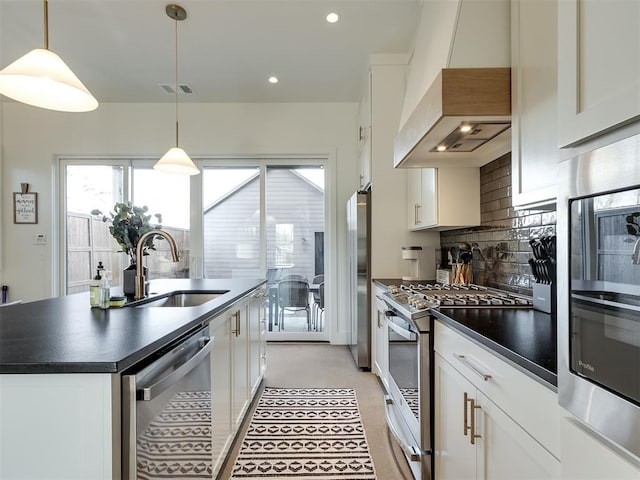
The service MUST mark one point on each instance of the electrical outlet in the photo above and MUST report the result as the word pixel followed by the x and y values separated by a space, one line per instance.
pixel 40 239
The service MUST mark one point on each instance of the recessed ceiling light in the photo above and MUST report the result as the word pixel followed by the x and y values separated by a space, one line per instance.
pixel 465 128
pixel 333 17
pixel 441 148
pixel 273 79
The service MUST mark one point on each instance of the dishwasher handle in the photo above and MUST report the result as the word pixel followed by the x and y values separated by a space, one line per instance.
pixel 151 391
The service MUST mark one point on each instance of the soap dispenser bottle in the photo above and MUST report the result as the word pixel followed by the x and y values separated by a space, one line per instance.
pixel 95 288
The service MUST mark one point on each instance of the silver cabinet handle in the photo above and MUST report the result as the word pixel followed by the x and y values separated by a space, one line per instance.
pixel 472 410
pixel 465 416
pixel 413 453
pixel 151 391
pixel 465 361
pixel 236 315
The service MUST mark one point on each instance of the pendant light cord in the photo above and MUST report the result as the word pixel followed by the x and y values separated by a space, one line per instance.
pixel 176 86
pixel 46 25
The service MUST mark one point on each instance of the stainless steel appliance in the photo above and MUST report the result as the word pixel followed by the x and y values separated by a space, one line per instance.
pixel 409 404
pixel 359 226
pixel 599 306
pixel 410 398
pixel 166 417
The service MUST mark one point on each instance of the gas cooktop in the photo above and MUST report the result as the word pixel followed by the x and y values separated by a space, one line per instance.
pixel 415 301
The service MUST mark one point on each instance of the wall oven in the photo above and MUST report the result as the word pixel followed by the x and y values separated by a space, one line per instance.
pixel 599 305
pixel 166 417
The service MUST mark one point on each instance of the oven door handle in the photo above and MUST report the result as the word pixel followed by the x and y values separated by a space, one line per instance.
pixel 403 332
pixel 413 453
pixel 149 392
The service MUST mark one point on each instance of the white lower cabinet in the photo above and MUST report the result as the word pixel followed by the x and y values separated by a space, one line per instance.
pixel 60 426
pixel 488 416
pixel 380 338
pixel 240 363
pixel 237 370
pixel 220 330
pixel 257 327
pixel 476 439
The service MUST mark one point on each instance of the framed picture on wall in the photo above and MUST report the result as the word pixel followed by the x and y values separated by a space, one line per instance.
pixel 25 207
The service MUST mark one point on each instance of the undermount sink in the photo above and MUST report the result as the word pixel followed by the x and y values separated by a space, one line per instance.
pixel 180 299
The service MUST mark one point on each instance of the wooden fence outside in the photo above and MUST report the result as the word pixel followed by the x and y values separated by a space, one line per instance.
pixel 89 242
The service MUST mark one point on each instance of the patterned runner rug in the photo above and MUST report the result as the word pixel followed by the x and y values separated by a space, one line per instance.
pixel 310 433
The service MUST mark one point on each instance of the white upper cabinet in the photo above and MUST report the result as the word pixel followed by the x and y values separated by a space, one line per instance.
pixel 534 156
pixel 598 67
pixel 443 198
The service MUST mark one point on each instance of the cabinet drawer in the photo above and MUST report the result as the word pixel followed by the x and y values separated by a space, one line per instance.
pixel 533 406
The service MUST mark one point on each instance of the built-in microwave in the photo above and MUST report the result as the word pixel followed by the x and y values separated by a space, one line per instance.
pixel 599 303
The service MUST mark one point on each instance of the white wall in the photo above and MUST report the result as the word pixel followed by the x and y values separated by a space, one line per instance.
pixel 389 227
pixel 33 138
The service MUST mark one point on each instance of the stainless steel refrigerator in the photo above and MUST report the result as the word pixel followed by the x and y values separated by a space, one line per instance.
pixel 359 227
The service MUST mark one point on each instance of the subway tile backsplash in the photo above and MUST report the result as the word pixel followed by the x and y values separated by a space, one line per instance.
pixel 501 249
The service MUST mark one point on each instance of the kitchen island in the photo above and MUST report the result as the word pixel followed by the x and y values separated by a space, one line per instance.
pixel 65 335
pixel 61 364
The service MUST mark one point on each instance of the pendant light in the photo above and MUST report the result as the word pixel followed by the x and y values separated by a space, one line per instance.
pixel 176 159
pixel 40 78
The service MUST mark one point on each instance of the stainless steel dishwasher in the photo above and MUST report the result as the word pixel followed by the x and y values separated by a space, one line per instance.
pixel 166 417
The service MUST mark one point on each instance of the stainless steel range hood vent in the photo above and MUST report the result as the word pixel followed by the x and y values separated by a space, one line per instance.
pixel 467 137
pixel 463 120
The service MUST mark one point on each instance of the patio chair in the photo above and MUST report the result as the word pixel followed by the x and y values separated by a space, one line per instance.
pixel 318 308
pixel 293 295
pixel 317 280
pixel 295 276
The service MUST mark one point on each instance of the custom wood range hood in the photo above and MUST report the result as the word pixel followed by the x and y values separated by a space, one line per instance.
pixel 463 120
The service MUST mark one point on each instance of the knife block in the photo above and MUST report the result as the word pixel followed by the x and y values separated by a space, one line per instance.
pixel 544 297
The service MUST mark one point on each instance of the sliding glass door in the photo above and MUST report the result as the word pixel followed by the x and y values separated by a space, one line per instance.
pixel 267 219
pixel 260 218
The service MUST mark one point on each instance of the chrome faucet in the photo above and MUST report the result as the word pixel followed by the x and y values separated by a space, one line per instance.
pixel 140 280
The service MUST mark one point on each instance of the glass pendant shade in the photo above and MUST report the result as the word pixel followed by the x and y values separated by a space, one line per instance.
pixel 176 161
pixel 42 79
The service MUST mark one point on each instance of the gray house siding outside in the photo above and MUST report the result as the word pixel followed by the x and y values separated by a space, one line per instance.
pixel 232 227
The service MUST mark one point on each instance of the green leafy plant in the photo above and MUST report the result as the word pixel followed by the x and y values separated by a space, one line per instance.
pixel 633 227
pixel 128 224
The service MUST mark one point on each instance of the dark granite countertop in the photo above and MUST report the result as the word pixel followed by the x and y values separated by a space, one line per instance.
pixel 65 335
pixel 525 337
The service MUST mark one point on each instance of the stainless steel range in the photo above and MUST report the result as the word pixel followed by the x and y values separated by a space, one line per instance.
pixel 409 405
pixel 415 301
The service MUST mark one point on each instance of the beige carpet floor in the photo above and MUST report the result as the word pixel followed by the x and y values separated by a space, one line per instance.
pixel 323 365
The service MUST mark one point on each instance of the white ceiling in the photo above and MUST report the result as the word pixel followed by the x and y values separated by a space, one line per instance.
pixel 123 49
